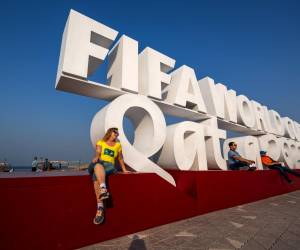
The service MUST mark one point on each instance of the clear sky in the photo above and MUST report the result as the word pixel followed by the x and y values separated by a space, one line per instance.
pixel 252 47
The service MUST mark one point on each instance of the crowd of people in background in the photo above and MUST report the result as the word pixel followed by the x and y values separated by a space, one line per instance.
pixel 43 165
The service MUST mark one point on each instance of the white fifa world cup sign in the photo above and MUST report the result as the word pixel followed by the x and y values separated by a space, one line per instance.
pixel 145 85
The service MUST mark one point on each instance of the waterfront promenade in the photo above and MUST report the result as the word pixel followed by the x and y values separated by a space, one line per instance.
pixel 30 174
pixel 272 223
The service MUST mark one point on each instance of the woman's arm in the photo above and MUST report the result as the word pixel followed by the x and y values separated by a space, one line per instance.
pixel 121 161
pixel 97 154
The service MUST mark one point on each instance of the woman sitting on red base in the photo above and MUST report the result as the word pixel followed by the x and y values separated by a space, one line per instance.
pixel 103 164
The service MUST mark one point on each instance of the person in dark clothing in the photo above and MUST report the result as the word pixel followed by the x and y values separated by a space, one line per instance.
pixel 276 165
pixel 34 164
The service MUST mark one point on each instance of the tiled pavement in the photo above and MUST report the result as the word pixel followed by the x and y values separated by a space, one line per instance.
pixel 273 223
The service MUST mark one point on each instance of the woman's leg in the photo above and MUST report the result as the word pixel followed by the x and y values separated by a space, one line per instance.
pixel 100 173
pixel 97 192
pixel 100 206
pixel 100 176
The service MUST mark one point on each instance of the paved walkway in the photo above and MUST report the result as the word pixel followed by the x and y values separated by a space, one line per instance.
pixel 273 223
pixel 52 173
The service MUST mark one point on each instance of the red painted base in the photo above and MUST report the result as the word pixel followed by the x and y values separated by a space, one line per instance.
pixel 57 212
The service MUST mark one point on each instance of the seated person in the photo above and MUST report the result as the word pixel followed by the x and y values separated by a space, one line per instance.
pixel 108 150
pixel 271 164
pixel 236 161
pixel 5 167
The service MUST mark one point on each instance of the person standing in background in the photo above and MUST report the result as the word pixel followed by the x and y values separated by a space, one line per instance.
pixel 47 165
pixel 34 164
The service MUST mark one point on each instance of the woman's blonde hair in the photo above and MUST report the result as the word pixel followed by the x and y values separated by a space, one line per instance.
pixel 108 133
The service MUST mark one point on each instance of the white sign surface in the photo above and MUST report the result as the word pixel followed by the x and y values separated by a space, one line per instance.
pixel 145 86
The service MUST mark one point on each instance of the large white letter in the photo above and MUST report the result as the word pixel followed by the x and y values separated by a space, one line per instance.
pixel 212 142
pixel 271 144
pixel 184 90
pixel 153 69
pixel 123 65
pixel 219 101
pixel 276 123
pixel 293 152
pixel 184 148
pixel 297 130
pixel 297 158
pixel 288 128
pixel 150 131
pixel 286 153
pixel 245 115
pixel 261 122
pixel 85 45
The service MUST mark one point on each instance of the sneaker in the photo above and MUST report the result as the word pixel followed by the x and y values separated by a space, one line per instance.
pixel 252 168
pixel 99 218
pixel 11 170
pixel 103 194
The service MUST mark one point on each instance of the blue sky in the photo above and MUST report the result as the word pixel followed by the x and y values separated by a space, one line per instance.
pixel 252 47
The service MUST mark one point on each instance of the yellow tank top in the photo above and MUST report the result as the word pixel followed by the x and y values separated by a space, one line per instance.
pixel 109 153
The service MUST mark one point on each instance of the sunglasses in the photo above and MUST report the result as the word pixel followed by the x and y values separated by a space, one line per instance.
pixel 116 132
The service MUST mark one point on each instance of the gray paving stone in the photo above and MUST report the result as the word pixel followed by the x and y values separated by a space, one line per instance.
pixel 277 230
pixel 105 248
pixel 265 241
pixel 291 239
pixel 248 230
pixel 223 227
pixel 174 241
pixel 252 245
pixel 209 228
pixel 240 237
pixel 221 244
pixel 295 229
pixel 160 248
pixel 201 242
pixel 281 245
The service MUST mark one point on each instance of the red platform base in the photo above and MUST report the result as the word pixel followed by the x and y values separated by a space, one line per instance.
pixel 57 212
